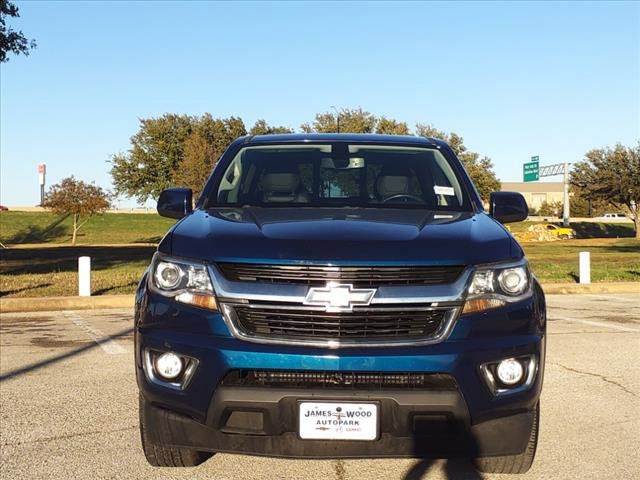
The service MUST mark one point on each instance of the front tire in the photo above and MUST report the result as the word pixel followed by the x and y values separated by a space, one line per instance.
pixel 520 463
pixel 163 456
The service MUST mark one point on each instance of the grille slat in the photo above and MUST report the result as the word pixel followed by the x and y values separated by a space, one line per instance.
pixel 344 325
pixel 315 275
pixel 337 379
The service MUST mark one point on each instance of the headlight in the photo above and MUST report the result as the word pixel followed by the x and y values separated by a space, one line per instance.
pixel 168 275
pixel 184 281
pixel 513 281
pixel 495 286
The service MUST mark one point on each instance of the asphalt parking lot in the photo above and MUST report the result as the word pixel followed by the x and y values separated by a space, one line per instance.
pixel 68 403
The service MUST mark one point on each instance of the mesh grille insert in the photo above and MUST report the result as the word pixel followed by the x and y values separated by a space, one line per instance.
pixel 335 379
pixel 371 323
pixel 315 275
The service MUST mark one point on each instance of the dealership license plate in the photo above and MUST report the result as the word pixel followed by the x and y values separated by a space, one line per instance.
pixel 338 421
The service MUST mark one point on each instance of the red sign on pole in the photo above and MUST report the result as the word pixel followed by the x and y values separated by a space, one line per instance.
pixel 42 170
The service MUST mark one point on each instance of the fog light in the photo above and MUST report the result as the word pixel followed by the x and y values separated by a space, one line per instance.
pixel 168 365
pixel 510 371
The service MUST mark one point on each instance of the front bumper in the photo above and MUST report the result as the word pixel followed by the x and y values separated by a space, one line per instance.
pixel 415 423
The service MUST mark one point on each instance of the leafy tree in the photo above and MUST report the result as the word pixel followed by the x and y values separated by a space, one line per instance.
pixel 480 168
pixel 550 209
pixel 579 206
pixel 79 199
pixel 261 127
pixel 156 150
pixel 203 149
pixel 583 207
pixel 347 120
pixel 11 40
pixel 219 132
pixel 158 156
pixel 453 139
pixel 155 159
pixel 197 162
pixel 611 175
pixel 389 126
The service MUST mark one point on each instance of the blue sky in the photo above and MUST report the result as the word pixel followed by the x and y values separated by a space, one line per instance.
pixel 514 79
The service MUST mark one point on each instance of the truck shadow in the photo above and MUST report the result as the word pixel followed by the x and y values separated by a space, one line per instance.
pixel 454 469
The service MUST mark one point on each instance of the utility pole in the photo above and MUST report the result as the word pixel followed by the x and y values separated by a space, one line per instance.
pixel 42 171
pixel 337 117
pixel 565 211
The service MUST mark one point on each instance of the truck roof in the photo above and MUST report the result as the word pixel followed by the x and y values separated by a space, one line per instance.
pixel 344 137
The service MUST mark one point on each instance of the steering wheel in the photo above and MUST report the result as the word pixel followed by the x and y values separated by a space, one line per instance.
pixel 403 195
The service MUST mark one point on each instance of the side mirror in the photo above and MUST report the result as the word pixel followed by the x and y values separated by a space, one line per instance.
pixel 175 202
pixel 507 207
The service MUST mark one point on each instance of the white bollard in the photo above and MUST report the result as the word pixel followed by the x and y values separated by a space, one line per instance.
pixel 585 267
pixel 84 276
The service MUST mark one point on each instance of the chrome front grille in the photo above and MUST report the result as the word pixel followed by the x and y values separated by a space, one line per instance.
pixel 364 323
pixel 325 307
pixel 372 325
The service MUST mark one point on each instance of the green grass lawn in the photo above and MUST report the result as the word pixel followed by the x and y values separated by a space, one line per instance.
pixel 44 270
pixel 37 272
pixel 612 260
pixel 19 228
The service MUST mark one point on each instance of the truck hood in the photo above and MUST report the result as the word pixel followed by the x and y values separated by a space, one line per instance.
pixel 340 236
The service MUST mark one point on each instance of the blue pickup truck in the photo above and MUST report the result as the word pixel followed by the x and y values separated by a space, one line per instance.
pixel 340 296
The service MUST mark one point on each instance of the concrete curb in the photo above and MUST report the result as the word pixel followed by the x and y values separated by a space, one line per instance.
pixel 42 304
pixel 615 287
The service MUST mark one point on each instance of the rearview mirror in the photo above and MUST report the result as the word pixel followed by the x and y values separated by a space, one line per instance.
pixel 175 202
pixel 507 207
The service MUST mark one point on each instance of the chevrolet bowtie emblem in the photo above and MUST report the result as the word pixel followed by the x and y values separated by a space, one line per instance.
pixel 336 297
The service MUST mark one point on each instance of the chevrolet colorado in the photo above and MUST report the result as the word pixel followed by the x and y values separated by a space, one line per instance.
pixel 340 296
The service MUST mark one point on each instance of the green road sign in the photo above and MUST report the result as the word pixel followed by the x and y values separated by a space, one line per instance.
pixel 535 158
pixel 531 171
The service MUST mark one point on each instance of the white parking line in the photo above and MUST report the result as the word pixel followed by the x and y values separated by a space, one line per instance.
pixel 106 343
pixel 596 324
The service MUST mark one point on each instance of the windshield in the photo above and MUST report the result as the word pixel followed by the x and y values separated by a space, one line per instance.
pixel 341 175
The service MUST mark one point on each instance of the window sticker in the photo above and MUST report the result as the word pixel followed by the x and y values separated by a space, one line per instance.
pixel 444 190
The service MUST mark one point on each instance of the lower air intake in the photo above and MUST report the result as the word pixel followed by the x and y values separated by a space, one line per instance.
pixel 335 379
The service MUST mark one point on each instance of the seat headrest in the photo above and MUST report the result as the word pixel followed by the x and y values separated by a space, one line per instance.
pixel 389 185
pixel 280 182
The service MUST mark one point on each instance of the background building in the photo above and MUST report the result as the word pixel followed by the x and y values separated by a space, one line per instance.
pixel 535 193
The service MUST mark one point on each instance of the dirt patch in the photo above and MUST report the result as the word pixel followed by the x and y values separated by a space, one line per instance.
pixel 24 322
pixel 46 342
pixel 23 331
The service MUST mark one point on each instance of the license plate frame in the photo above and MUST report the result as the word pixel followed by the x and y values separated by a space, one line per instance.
pixel 348 431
